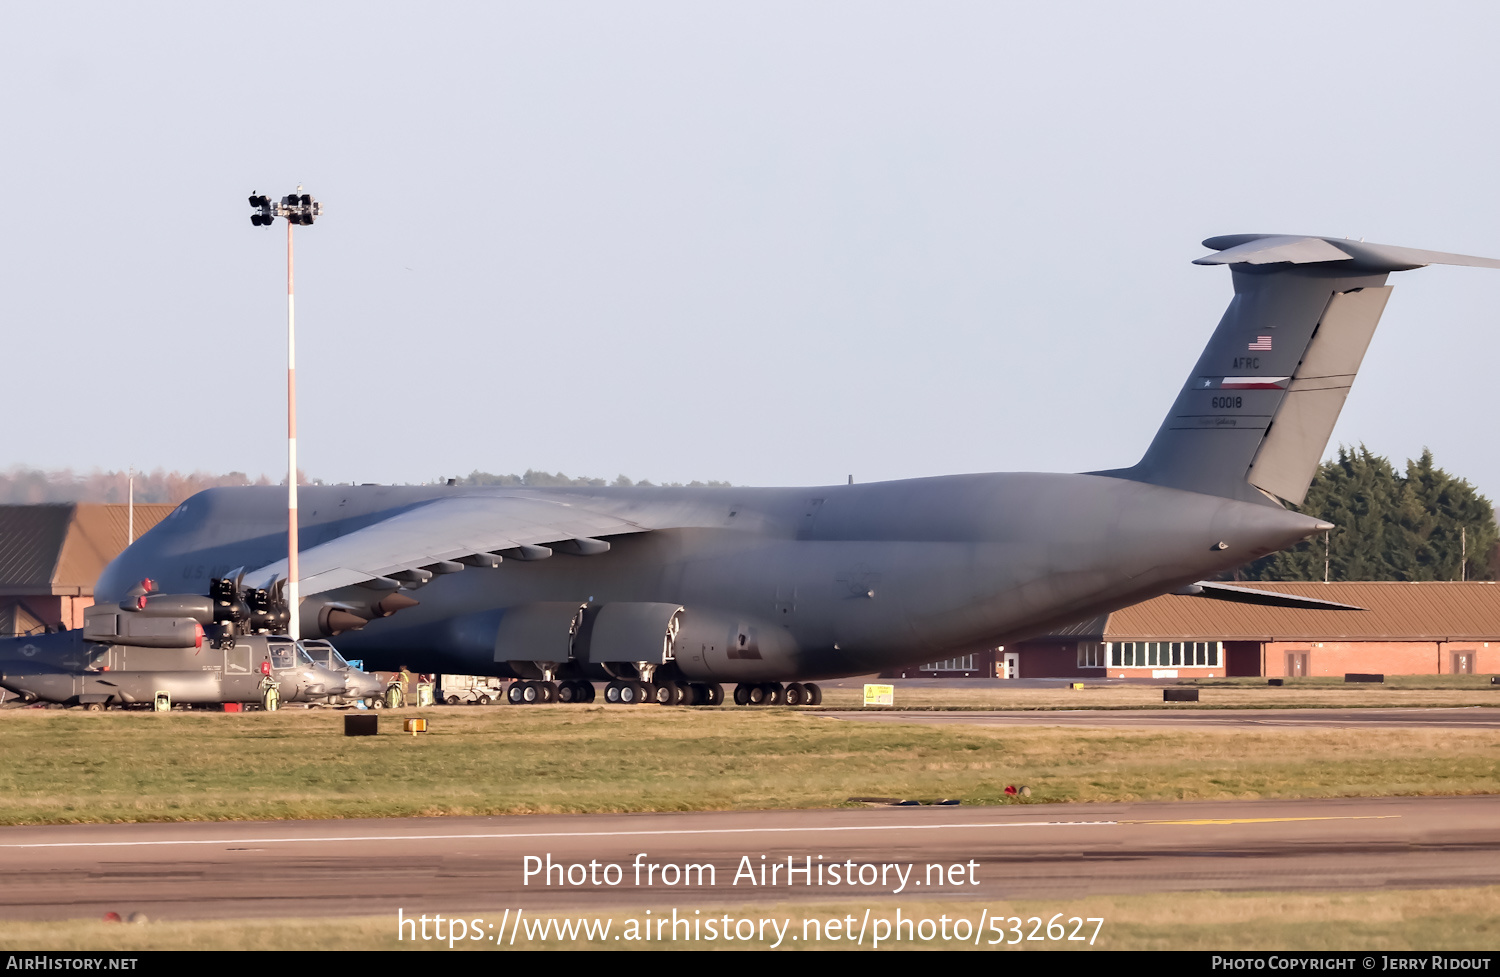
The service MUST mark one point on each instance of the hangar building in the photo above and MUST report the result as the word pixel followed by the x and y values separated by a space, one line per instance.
pixel 50 556
pixel 1435 628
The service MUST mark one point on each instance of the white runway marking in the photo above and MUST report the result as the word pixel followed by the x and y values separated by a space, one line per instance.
pixel 559 834
pixel 678 832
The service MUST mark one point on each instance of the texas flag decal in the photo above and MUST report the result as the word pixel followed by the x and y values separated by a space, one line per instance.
pixel 1254 383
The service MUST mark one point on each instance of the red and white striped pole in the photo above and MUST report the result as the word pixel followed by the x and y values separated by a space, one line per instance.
pixel 293 625
pixel 297 208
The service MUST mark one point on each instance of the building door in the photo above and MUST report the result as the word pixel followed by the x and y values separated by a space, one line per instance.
pixel 1463 663
pixel 1296 664
pixel 1242 658
pixel 1012 667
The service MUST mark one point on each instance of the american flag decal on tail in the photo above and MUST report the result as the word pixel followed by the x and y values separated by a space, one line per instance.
pixel 1261 342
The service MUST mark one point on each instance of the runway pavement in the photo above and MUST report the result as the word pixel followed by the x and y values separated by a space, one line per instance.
pixel 477 865
pixel 1469 717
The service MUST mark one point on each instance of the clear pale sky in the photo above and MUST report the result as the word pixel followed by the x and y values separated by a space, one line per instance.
pixel 773 243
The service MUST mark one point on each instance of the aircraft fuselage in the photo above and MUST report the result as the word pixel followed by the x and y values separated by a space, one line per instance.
pixel 838 580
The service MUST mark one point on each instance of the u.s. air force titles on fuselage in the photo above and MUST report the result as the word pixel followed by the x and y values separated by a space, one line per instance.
pixel 666 593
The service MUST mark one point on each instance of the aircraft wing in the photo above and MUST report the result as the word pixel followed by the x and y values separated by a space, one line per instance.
pixel 442 531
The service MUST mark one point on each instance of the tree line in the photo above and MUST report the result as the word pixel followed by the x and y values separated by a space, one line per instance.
pixel 33 486
pixel 536 479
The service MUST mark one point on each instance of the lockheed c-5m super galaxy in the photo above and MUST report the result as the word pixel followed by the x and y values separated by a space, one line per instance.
pixel 670 592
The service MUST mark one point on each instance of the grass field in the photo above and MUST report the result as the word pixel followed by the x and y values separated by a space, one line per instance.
pixel 1398 690
pixel 1422 919
pixel 70 766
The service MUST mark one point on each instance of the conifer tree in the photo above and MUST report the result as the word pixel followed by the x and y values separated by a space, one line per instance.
pixel 1416 526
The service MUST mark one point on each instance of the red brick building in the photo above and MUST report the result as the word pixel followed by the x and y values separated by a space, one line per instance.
pixel 1401 629
pixel 1434 628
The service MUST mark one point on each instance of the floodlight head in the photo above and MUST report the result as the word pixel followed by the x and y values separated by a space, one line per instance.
pixel 297 208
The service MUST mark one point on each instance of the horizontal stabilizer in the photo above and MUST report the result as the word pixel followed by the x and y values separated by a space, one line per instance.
pixel 1251 595
pixel 1265 249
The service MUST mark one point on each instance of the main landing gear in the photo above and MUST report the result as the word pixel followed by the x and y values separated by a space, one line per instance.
pixel 533 693
pixel 628 692
pixel 775 694
pixel 667 692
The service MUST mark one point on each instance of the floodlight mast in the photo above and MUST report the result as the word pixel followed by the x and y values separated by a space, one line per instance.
pixel 297 208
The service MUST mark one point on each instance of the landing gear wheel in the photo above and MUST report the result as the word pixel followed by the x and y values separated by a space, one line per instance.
pixel 692 694
pixel 94 707
pixel 546 691
pixel 757 695
pixel 375 702
pixel 567 693
pixel 612 692
pixel 530 693
pixel 715 694
pixel 795 695
pixel 630 693
pixel 588 691
pixel 814 694
pixel 645 692
pixel 514 694
pixel 664 693
pixel 775 694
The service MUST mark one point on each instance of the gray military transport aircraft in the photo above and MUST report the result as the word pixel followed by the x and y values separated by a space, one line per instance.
pixel 668 592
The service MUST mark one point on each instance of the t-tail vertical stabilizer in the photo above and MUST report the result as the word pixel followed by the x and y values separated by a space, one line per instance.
pixel 1255 415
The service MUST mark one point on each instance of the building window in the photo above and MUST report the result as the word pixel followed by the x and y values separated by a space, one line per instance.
pixel 1164 654
pixel 1090 654
pixel 962 664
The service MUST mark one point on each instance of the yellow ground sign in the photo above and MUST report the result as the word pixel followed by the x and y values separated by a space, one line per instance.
pixel 880 695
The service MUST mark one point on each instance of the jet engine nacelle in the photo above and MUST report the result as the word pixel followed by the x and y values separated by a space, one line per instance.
pixel 330 618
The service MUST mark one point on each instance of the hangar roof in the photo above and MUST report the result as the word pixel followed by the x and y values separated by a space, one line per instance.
pixel 1393 611
pixel 60 549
